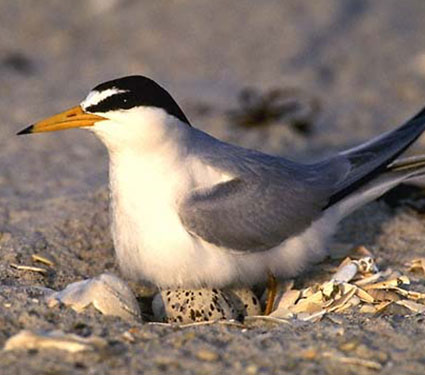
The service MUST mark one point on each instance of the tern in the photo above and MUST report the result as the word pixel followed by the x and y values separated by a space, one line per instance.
pixel 189 210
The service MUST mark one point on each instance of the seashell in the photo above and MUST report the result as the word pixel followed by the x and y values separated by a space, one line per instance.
pixel 106 292
pixel 369 279
pixel 28 340
pixel 347 272
pixel 413 306
pixel 364 296
pixel 366 265
pixel 381 295
pixel 368 309
pixel 329 289
pixel 341 301
pixel 288 300
pixel 389 284
pixel 417 265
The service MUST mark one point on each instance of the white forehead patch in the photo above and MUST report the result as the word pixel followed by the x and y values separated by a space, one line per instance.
pixel 95 97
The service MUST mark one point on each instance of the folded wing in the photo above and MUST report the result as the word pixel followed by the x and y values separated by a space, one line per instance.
pixel 254 212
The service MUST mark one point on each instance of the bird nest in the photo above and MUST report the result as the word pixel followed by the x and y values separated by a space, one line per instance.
pixel 357 284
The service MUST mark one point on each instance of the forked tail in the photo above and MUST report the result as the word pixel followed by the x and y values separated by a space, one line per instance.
pixel 399 171
pixel 372 164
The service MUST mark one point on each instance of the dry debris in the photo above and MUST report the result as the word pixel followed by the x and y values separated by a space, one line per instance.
pixel 36 258
pixel 28 268
pixel 41 258
pixel 354 361
pixel 417 265
pixel 27 340
pixel 356 284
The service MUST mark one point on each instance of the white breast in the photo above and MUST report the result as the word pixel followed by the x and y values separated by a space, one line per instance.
pixel 150 241
pixel 145 225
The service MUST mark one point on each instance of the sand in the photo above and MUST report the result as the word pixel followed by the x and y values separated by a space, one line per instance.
pixel 362 61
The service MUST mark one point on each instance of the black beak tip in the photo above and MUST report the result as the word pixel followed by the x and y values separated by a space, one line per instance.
pixel 27 130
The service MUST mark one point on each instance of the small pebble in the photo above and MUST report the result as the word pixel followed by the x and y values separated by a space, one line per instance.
pixel 206 355
pixel 310 354
pixel 251 369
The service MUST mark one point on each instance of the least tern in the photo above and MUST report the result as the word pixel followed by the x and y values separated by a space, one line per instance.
pixel 189 210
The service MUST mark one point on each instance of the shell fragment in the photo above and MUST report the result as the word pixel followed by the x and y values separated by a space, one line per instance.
pixel 106 292
pixel 356 283
pixel 28 340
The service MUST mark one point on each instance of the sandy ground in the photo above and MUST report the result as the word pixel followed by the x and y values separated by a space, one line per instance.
pixel 362 61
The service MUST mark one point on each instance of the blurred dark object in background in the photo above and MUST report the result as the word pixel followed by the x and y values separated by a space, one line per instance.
pixel 18 62
pixel 286 106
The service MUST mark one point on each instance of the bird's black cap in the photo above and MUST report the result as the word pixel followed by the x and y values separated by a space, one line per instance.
pixel 137 91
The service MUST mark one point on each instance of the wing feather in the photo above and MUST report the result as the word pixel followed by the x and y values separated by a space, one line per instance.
pixel 251 214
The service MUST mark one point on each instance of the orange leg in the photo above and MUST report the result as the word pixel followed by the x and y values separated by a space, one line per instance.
pixel 271 293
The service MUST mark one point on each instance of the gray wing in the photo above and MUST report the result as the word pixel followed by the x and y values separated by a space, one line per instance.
pixel 255 211
pixel 272 199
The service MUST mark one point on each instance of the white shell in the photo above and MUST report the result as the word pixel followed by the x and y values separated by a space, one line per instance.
pixel 27 340
pixel 106 292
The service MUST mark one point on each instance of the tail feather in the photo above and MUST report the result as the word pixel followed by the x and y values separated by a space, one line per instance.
pixel 372 158
pixel 409 163
pixel 399 171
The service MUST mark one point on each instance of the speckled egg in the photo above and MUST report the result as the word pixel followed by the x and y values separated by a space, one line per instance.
pixel 197 305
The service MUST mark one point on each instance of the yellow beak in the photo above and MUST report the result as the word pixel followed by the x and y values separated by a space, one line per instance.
pixel 74 117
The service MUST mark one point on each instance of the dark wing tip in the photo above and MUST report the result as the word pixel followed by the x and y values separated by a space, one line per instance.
pixel 27 130
pixel 421 113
